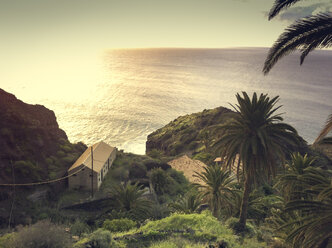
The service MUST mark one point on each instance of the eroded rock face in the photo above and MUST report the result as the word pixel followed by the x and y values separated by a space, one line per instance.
pixel 32 149
pixel 29 135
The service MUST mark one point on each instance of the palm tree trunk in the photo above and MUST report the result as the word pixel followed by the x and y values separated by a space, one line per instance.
pixel 214 205
pixel 244 205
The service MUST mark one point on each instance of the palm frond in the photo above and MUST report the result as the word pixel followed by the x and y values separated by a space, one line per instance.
pixel 130 199
pixel 326 141
pixel 279 5
pixel 188 204
pixel 327 128
pixel 306 34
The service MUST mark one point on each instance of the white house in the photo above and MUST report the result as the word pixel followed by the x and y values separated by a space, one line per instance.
pixel 103 157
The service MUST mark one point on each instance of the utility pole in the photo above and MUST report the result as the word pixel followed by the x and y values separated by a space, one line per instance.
pixel 91 172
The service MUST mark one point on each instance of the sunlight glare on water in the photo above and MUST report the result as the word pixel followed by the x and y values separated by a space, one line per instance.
pixel 124 95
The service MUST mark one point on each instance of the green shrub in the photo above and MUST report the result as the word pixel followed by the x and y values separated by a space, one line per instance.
pixel 168 184
pixel 27 169
pixel 177 176
pixel 7 240
pixel 43 216
pixel 204 222
pixel 154 153
pixel 137 170
pixel 60 153
pixel 53 214
pixel 160 180
pixel 116 214
pixel 49 161
pixel 178 147
pixel 79 228
pixel 52 175
pixel 204 157
pixel 233 223
pixel 40 235
pixel 23 167
pixel 62 141
pixel 152 164
pixel 193 145
pixel 119 225
pixel 159 211
pixel 188 137
pixel 200 229
pixel 99 239
pixel 120 173
pixel 69 159
pixel 5 131
pixel 66 148
pixel 175 242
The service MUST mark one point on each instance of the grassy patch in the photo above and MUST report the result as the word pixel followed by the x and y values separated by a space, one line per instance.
pixel 191 230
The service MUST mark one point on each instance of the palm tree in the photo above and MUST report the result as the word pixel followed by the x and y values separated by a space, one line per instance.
pixel 217 188
pixel 306 34
pixel 279 221
pixel 291 182
pixel 129 198
pixel 313 227
pixel 257 140
pixel 188 204
pixel 306 222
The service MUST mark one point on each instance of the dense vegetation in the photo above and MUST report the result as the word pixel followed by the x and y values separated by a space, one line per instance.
pixel 271 189
pixel 143 202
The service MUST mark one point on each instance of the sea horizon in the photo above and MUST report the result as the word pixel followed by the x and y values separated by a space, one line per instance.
pixel 125 94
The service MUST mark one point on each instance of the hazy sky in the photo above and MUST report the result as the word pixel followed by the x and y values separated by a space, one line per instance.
pixel 56 40
pixel 100 24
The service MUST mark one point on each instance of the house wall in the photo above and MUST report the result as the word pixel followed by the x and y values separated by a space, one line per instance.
pixel 106 167
pixel 82 180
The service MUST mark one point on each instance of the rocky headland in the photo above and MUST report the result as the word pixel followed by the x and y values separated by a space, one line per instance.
pixel 33 147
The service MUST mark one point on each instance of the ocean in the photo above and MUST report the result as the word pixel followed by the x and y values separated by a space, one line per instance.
pixel 136 91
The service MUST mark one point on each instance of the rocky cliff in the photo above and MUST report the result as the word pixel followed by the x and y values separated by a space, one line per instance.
pixel 31 142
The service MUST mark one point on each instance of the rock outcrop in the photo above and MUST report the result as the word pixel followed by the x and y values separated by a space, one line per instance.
pixel 31 142
pixel 190 134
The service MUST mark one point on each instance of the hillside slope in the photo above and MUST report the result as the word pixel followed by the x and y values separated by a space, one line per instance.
pixel 190 134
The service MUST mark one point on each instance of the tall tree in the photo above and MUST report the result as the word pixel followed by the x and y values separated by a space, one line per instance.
pixel 217 188
pixel 256 140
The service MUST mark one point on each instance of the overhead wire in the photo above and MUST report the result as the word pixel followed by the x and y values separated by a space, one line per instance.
pixel 45 182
